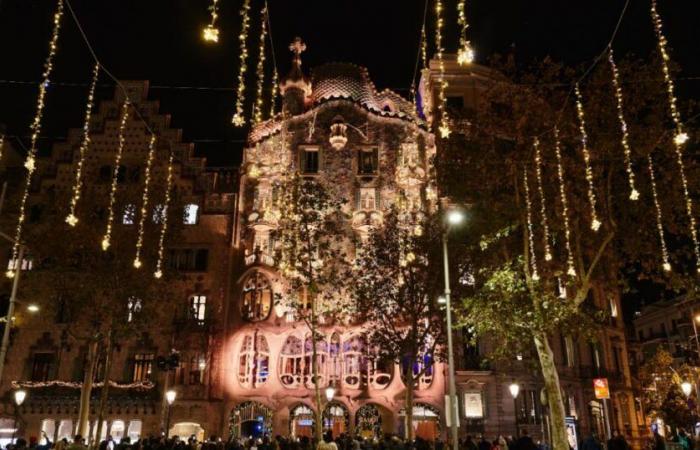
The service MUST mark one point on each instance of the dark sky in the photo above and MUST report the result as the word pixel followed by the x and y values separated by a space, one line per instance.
pixel 160 40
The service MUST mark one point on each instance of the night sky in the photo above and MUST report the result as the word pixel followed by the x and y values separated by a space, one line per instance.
pixel 160 40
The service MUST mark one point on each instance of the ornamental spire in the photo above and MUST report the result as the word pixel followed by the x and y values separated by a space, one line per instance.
pixel 296 87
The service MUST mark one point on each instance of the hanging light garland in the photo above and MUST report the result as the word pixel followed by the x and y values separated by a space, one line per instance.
pixel 424 47
pixel 164 222
pixel 115 175
pixel 260 69
pixel 595 223
pixel 543 207
pixel 273 92
pixel 465 54
pixel 571 270
pixel 30 161
pixel 238 118
pixel 210 32
pixel 681 136
pixel 2 144
pixel 71 218
pixel 659 217
pixel 530 233
pixel 144 200
pixel 444 127
pixel 634 194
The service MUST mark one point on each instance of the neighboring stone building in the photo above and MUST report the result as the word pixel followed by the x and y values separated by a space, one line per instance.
pixel 487 402
pixel 374 149
pixel 47 361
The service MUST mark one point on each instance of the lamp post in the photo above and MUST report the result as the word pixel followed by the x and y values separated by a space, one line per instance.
pixel 454 217
pixel 20 395
pixel 170 398
pixel 514 389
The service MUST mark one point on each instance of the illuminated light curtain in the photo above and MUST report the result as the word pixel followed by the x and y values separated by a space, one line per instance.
pixel 144 200
pixel 681 136
pixel 238 117
pixel 164 222
pixel 571 270
pixel 260 69
pixel 659 218
pixel 273 92
pixel 444 126
pixel 30 161
pixel 71 218
pixel 106 240
pixel 465 53
pixel 543 201
pixel 530 231
pixel 595 223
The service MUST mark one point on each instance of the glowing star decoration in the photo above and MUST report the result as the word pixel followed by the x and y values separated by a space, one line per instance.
pixel 210 32
pixel 634 193
pixel 30 162
pixel 530 232
pixel 238 117
pixel 659 218
pixel 681 136
pixel 144 199
pixel 260 69
pixel 115 175
pixel 465 53
pixel 273 92
pixel 444 126
pixel 543 207
pixel 571 271
pixel 595 223
pixel 71 218
pixel 164 223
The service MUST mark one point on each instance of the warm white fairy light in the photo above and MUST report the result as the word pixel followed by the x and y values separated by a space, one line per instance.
pixel 424 47
pixel 273 92
pixel 634 193
pixel 210 32
pixel 444 126
pixel 115 175
pixel 30 161
pixel 260 69
pixel 659 217
pixel 144 199
pixel 681 136
pixel 595 223
pixel 238 117
pixel 2 143
pixel 164 222
pixel 571 271
pixel 543 207
pixel 465 53
pixel 71 218
pixel 530 232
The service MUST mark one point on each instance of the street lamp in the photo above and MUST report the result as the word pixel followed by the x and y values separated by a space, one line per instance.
pixel 20 395
pixel 330 393
pixel 687 388
pixel 514 389
pixel 454 216
pixel 170 398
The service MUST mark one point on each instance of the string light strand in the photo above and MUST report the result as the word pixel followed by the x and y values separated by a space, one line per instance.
pixel 2 143
pixel 571 270
pixel 164 222
pixel 595 223
pixel 659 218
pixel 71 218
pixel 238 117
pixel 273 92
pixel 681 136
pixel 30 161
pixel 144 200
pixel 530 232
pixel 424 47
pixel 444 126
pixel 210 33
pixel 115 175
pixel 543 207
pixel 260 69
pixel 465 53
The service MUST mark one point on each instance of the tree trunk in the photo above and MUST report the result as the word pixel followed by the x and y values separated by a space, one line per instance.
pixel 104 394
pixel 318 422
pixel 553 389
pixel 408 432
pixel 86 388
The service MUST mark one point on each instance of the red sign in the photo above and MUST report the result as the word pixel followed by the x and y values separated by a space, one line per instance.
pixel 600 386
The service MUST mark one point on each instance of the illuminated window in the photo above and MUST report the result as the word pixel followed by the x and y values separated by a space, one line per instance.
pixel 133 307
pixel 254 361
pixel 48 429
pixel 117 430
pixel 198 308
pixel 191 214
pixel 321 357
pixel 198 365
pixel 256 298
pixel 129 215
pixel 65 429
pixel 335 361
pixel 159 212
pixel 613 307
pixel 134 431
pixel 291 362
pixel 27 263
pixel 569 351
pixel 143 367
pixel 367 198
pixel 355 364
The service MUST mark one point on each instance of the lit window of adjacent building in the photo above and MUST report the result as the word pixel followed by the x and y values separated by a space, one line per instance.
pixel 256 297
pixel 198 365
pixel 27 263
pixel 368 161
pixel 191 214
pixel 143 367
pixel 48 429
pixel 613 307
pixel 198 308
pixel 117 430
pixel 188 259
pixel 367 199
pixel 65 429
pixel 159 212
pixel 309 160
pixel 42 365
pixel 129 215
pixel 133 306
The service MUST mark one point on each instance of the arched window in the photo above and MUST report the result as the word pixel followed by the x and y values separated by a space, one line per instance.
pixel 354 363
pixel 254 361
pixel 301 421
pixel 335 361
pixel 291 362
pixel 321 358
pixel 257 298
pixel 380 370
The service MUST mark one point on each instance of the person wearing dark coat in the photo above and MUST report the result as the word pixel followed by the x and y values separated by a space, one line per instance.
pixel 525 442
